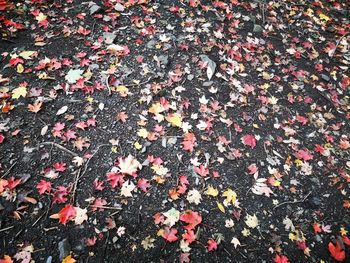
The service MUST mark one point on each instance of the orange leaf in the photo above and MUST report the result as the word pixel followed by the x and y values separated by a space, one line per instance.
pixel 6 259
pixel 67 213
pixel 35 107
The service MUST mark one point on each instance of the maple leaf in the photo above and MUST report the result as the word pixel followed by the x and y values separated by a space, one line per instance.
pixel 337 252
pixel 6 259
pixel 122 116
pixel 175 119
pixel 280 259
pixel 115 179
pixel 251 221
pixel 81 215
pixel 143 184
pixel 189 236
pixel 169 234
pixel 184 257
pixel 69 259
pixel 73 75
pixel 191 218
pixel 230 195
pixel 212 245
pixel 65 214
pixel 98 185
pixel 249 140
pixel 201 170
pixel 43 187
pixel 60 195
pixel 129 165
pixel 172 216
pixel 194 196
pixel 2 138
pixel 147 243
pixel 12 182
pixel 90 242
pixel 304 155
pixel 127 188
pixel 19 92
pixel 3 184
pixel 60 167
pixel 189 142
pixel 35 107
pixel 235 242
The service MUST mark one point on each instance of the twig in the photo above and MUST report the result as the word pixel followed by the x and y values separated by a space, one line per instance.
pixel 76 179
pixel 6 228
pixel 108 87
pixel 60 147
pixel 293 202
pixel 106 207
pixel 336 46
pixel 79 175
pixel 138 84
pixel 9 170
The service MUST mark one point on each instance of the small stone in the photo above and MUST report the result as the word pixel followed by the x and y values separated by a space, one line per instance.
pixel 94 9
pixel 64 248
pixel 49 259
pixel 325 77
pixel 119 7
pixel 257 28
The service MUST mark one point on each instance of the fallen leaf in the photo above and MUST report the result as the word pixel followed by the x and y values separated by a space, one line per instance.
pixel 127 188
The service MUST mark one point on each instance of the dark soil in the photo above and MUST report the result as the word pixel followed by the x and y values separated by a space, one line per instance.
pixel 298 114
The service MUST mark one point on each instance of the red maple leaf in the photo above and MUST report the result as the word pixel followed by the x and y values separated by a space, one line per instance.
pixel 191 218
pixel 91 241
pixel 337 252
pixel 189 142
pixel 169 234
pixel 212 245
pixel 249 140
pixel 143 184
pixel 346 240
pixel 60 167
pixel 202 170
pixel 189 236
pixel 98 185
pixel 304 155
pixel 280 259
pixel 2 138
pixel 60 195
pixel 12 182
pixel 3 184
pixel 115 179
pixel 43 187
pixel 67 213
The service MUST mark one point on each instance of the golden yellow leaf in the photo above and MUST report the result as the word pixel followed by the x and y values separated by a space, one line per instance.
pixel 221 207
pixel 19 92
pixel 175 119
pixel 230 195
pixel 212 191
pixel 137 146
pixel 20 68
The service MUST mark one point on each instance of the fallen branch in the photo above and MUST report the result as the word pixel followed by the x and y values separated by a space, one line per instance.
pixel 60 147
pixel 293 202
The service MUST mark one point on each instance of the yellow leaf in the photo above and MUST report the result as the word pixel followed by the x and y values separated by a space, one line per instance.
pixel 212 191
pixel 156 108
pixel 323 17
pixel 122 89
pixel 175 119
pixel 137 146
pixel 143 133
pixel 27 54
pixel 343 231
pixel 230 195
pixel 292 236
pixel 114 149
pixel 19 92
pixel 221 207
pixel 68 259
pixel 20 68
